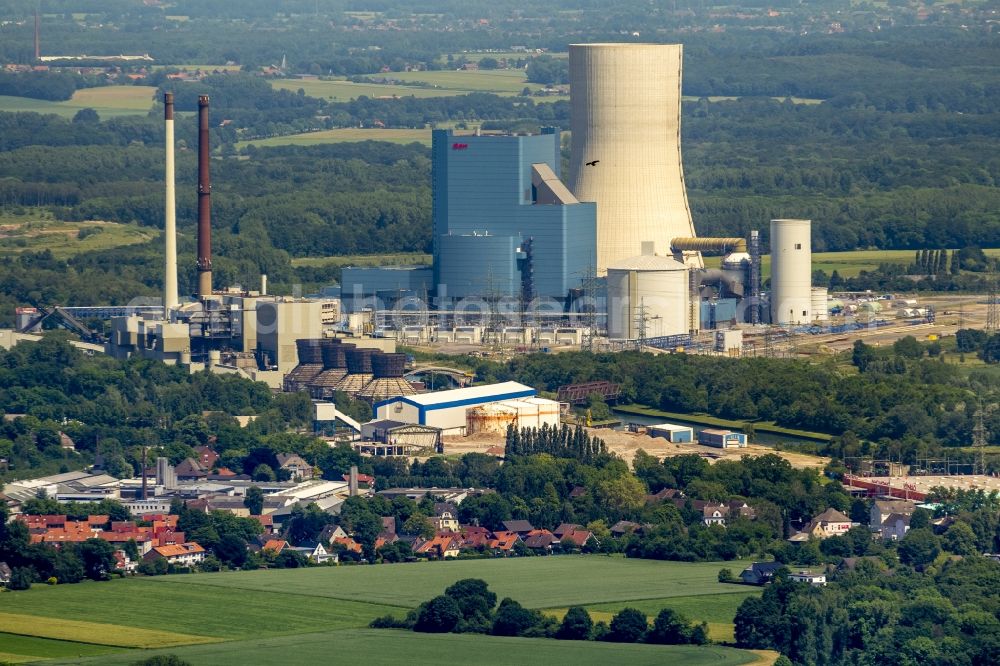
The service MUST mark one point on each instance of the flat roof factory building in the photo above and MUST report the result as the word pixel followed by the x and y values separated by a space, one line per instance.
pixel 448 410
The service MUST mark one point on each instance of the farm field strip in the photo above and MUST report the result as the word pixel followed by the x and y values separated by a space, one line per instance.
pixel 231 614
pixel 383 647
pixel 536 582
pixel 345 91
pixel 365 260
pixel 343 135
pixel 17 648
pixel 97 633
pixel 30 233
pixel 108 101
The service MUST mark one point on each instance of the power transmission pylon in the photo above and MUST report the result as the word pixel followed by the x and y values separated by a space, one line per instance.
pixel 590 309
pixel 642 319
pixel 992 314
pixel 979 442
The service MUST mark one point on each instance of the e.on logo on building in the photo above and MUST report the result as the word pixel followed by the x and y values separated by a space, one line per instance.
pixel 459 146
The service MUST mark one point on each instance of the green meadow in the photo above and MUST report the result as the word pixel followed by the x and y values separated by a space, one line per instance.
pixel 108 101
pixel 257 616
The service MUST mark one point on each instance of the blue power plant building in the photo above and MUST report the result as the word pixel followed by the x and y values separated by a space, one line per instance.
pixel 503 221
pixel 504 225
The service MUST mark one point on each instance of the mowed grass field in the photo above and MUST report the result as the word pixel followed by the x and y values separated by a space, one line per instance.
pixel 345 91
pixel 37 230
pixel 392 647
pixel 344 135
pixel 256 617
pixel 848 264
pixel 108 101
pixel 17 649
pixel 400 259
pixel 549 582
pixel 439 84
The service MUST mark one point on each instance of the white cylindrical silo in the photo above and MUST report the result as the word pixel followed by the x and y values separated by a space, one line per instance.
pixel 625 114
pixel 820 304
pixel 791 272
pixel 650 288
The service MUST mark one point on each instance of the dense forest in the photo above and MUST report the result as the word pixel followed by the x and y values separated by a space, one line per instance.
pixel 919 613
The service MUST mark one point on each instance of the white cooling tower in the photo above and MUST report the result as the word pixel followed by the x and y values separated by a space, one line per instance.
pixel 626 151
pixel 791 272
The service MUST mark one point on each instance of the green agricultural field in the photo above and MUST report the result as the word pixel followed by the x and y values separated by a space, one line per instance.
pixel 443 83
pixel 551 582
pixel 500 81
pixel 343 135
pixel 400 259
pixel 345 91
pixel 108 101
pixel 257 616
pixel 380 647
pixel 37 230
pixel 17 649
pixel 848 264
pixel 100 633
pixel 223 613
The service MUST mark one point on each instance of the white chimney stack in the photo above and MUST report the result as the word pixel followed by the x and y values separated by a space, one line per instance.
pixel 263 284
pixel 170 300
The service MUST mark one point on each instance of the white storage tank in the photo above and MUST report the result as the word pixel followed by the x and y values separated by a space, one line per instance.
pixel 791 272
pixel 820 303
pixel 656 285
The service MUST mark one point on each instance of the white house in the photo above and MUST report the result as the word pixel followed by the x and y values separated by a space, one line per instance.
pixel 817 579
pixel 183 554
pixel 715 514
pixel 895 527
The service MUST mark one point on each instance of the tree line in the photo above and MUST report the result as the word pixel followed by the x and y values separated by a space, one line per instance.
pixel 469 606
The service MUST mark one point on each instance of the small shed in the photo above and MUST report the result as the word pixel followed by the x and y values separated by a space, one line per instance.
pixel 676 434
pixel 399 434
pixel 722 439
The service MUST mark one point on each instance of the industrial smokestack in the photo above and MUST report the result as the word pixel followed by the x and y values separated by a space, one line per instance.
pixel 170 299
pixel 352 483
pixel 204 203
pixel 38 38
pixel 263 284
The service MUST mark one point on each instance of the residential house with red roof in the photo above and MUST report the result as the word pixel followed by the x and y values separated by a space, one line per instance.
pixel 503 542
pixel 185 554
pixel 437 546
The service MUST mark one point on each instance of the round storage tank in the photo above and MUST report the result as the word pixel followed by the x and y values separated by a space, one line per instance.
pixel 820 303
pixel 791 272
pixel 490 419
pixel 656 285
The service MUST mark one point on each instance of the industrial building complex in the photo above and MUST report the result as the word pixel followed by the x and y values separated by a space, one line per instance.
pixel 611 251
pixel 609 256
